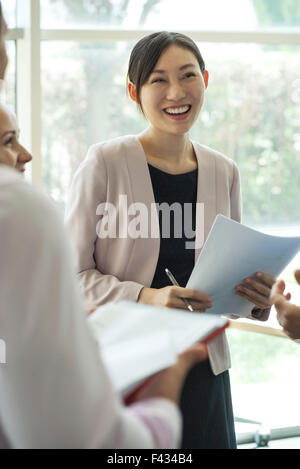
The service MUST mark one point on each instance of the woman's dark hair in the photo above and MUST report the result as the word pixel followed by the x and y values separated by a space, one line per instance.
pixel 147 52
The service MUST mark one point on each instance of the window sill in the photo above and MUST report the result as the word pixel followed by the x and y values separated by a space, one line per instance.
pixel 270 327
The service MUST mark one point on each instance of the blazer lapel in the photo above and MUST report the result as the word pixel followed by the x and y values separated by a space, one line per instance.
pixel 206 195
pixel 146 250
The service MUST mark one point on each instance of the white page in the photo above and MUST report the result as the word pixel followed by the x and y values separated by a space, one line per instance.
pixel 132 361
pixel 139 340
pixel 115 323
pixel 232 252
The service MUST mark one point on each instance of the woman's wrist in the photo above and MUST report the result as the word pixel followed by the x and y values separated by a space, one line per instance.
pixel 146 295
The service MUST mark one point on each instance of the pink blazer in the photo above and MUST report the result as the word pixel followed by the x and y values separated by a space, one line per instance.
pixel 115 269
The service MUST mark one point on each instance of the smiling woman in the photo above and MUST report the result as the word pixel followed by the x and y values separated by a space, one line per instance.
pixel 162 165
pixel 141 66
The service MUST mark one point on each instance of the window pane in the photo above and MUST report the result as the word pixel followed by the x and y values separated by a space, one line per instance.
pixel 9 10
pixel 264 378
pixel 84 101
pixel 169 14
pixel 10 81
pixel 251 113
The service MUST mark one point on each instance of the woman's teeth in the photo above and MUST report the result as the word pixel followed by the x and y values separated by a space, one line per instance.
pixel 178 110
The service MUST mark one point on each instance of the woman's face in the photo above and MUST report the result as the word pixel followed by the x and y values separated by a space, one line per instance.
pixel 12 153
pixel 173 96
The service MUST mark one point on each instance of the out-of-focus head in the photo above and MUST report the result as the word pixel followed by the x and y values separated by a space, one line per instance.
pixel 12 153
pixel 3 54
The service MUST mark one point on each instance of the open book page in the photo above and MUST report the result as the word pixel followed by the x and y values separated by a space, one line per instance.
pixel 232 252
pixel 138 340
pixel 133 361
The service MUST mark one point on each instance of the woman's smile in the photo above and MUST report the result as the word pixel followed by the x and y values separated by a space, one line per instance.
pixel 178 112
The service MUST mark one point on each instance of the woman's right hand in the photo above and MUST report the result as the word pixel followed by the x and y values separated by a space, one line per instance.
pixel 172 297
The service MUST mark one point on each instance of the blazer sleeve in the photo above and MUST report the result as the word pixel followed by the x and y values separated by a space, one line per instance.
pixel 257 314
pixel 88 190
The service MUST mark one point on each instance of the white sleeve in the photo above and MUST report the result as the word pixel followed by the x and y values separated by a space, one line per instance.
pixel 54 389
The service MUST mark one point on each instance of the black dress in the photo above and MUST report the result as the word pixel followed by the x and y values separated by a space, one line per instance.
pixel 206 399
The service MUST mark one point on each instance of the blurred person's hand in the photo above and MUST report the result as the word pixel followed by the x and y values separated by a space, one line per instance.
pixel 288 314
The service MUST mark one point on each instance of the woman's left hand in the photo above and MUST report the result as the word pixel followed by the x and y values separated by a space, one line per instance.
pixel 257 289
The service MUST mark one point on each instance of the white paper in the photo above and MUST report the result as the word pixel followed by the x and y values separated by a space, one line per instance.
pixel 233 252
pixel 132 361
pixel 138 340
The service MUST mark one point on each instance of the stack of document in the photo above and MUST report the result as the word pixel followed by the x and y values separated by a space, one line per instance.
pixel 233 252
pixel 137 341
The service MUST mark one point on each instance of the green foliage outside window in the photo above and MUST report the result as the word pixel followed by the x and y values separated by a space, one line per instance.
pixel 259 358
pixel 251 111
pixel 278 12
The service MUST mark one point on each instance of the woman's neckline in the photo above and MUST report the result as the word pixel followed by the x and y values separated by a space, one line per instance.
pixel 172 174
pixel 136 137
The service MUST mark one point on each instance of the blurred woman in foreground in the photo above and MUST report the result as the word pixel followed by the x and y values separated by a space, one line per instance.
pixel 54 389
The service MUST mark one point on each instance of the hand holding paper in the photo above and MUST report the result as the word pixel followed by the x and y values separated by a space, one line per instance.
pixel 173 297
pixel 138 341
pixel 168 383
pixel 257 289
pixel 234 252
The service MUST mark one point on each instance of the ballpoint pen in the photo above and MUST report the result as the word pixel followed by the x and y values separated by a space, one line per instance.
pixel 174 282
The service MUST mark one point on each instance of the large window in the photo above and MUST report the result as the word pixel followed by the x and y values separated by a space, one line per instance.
pixel 198 15
pixel 74 68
